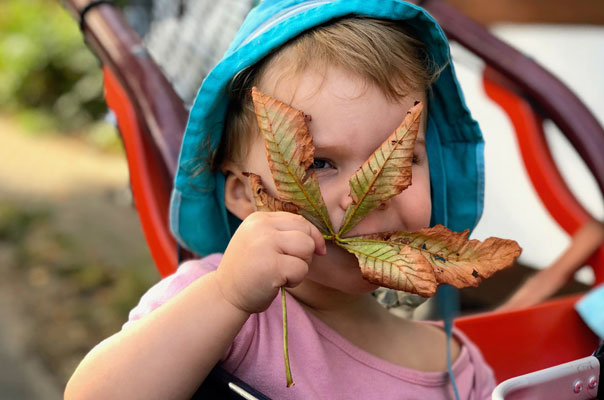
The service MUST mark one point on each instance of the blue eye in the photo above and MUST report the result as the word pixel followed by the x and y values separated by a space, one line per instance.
pixel 319 163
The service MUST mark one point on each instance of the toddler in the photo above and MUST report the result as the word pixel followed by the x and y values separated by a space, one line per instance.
pixel 354 68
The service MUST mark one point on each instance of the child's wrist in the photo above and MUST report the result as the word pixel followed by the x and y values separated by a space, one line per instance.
pixel 224 295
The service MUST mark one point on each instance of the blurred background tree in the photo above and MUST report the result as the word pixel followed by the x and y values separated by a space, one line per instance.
pixel 48 78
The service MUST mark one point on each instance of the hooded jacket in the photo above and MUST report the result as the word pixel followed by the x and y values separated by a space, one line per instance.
pixel 198 216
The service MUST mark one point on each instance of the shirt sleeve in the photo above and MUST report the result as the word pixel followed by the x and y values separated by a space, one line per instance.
pixel 170 286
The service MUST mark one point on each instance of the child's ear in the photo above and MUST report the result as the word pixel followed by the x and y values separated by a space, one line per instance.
pixel 237 192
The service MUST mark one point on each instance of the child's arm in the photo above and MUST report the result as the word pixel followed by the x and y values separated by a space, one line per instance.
pixel 168 353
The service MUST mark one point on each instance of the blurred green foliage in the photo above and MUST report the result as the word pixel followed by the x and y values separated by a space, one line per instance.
pixel 48 77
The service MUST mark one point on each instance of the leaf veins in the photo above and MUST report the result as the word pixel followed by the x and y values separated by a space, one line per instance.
pixel 386 173
pixel 451 257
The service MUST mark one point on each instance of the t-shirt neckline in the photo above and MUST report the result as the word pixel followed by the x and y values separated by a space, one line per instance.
pixel 373 361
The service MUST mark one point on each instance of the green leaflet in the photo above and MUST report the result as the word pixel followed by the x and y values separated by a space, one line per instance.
pixel 386 173
pixel 392 266
pixel 290 153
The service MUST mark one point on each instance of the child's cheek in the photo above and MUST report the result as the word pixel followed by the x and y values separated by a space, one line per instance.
pixel 414 207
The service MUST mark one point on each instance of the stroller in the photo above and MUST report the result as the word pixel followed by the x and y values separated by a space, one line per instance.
pixel 151 114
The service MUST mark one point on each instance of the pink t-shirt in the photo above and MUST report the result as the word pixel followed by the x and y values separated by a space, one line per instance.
pixel 324 365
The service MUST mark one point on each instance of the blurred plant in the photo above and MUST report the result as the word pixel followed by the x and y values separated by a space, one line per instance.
pixel 48 77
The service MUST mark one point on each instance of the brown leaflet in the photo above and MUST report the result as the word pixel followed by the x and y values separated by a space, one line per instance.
pixel 454 260
pixel 263 200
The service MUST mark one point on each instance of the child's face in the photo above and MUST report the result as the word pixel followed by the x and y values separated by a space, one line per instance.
pixel 349 119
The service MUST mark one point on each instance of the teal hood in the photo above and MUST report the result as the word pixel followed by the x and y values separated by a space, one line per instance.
pixel 198 217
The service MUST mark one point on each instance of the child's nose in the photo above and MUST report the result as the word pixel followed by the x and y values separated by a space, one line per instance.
pixel 345 201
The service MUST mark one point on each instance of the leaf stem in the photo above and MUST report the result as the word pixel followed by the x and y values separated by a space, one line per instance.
pixel 288 372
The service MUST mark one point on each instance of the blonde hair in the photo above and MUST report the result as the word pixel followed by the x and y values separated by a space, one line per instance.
pixel 383 52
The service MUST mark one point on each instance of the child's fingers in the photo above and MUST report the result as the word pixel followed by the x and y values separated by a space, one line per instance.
pixel 295 243
pixel 293 270
pixel 285 221
pixel 320 247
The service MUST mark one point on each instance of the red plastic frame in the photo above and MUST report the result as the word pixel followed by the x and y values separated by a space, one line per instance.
pixel 540 166
pixel 559 336
pixel 152 198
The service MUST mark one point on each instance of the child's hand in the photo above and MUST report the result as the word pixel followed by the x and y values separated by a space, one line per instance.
pixel 268 250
